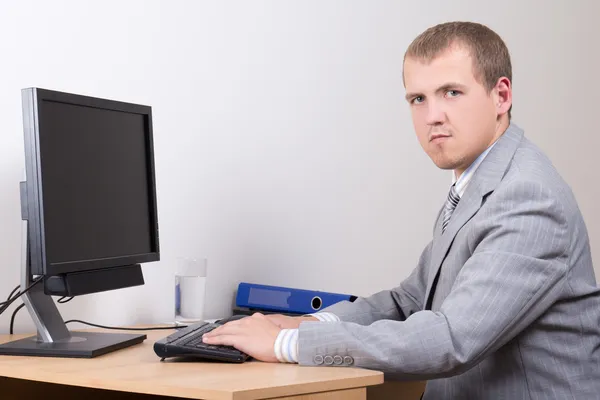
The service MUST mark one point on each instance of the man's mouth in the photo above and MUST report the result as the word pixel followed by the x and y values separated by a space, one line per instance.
pixel 436 136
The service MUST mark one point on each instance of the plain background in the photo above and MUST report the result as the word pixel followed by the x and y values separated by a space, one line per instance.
pixel 285 151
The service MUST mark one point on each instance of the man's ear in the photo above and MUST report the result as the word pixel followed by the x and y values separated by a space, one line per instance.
pixel 502 93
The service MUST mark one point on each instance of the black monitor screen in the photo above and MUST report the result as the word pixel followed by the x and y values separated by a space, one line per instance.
pixel 96 182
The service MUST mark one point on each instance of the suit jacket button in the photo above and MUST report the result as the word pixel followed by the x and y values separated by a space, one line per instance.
pixel 338 360
pixel 318 359
pixel 348 360
pixel 328 360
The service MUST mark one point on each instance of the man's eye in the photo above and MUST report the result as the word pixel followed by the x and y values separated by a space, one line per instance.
pixel 417 100
pixel 453 93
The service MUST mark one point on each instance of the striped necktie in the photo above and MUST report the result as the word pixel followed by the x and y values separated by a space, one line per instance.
pixel 451 203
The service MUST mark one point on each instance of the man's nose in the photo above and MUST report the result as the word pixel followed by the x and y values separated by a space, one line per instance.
pixel 435 113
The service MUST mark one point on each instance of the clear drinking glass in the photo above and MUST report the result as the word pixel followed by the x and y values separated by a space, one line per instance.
pixel 190 289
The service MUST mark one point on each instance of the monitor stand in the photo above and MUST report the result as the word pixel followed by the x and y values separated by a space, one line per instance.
pixel 53 339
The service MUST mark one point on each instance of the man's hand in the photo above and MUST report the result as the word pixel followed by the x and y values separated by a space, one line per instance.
pixel 285 322
pixel 254 335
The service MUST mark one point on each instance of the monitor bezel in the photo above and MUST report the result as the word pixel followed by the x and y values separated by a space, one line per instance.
pixel 33 99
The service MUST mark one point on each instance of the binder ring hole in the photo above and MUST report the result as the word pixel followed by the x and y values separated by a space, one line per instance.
pixel 316 303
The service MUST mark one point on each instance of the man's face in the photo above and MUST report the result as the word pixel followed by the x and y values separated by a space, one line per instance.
pixel 454 116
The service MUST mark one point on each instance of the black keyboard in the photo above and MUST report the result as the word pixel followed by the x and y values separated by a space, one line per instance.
pixel 187 342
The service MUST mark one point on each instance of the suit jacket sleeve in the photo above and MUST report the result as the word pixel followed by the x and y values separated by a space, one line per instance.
pixel 395 304
pixel 516 271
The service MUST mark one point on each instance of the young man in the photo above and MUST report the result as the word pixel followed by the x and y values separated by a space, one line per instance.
pixel 503 303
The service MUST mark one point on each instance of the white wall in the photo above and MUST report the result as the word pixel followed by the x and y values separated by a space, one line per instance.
pixel 284 149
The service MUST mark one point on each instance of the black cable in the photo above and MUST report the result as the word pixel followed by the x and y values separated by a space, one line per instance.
pixel 7 303
pixel 4 305
pixel 126 329
pixel 10 295
pixel 12 318
pixel 63 301
pixel 14 314
pixel 13 292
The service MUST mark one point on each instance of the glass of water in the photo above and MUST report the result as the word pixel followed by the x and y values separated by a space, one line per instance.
pixel 190 290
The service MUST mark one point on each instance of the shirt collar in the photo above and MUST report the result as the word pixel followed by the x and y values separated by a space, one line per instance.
pixel 462 182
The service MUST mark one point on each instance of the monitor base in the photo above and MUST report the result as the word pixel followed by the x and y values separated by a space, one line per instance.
pixel 79 345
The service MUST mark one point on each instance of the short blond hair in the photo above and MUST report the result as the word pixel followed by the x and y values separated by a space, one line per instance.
pixel 491 59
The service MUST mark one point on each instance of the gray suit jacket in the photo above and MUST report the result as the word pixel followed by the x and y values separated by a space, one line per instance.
pixel 502 305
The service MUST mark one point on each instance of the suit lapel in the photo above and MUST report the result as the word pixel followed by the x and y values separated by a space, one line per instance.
pixel 484 180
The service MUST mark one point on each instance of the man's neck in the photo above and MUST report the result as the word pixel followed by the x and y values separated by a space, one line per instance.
pixel 501 127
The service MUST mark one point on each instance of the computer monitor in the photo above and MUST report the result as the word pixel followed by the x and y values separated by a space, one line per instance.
pixel 89 212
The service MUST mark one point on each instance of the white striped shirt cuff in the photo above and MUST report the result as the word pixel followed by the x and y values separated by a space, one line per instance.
pixel 286 346
pixel 326 317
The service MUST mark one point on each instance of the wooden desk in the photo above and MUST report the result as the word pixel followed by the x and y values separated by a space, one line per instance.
pixel 136 372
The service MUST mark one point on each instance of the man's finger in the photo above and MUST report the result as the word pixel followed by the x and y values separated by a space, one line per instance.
pixel 227 329
pixel 227 340
pixel 214 332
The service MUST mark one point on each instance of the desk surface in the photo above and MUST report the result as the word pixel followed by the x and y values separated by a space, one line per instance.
pixel 138 369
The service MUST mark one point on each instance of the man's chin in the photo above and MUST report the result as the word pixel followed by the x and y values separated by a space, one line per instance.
pixel 442 161
pixel 444 164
